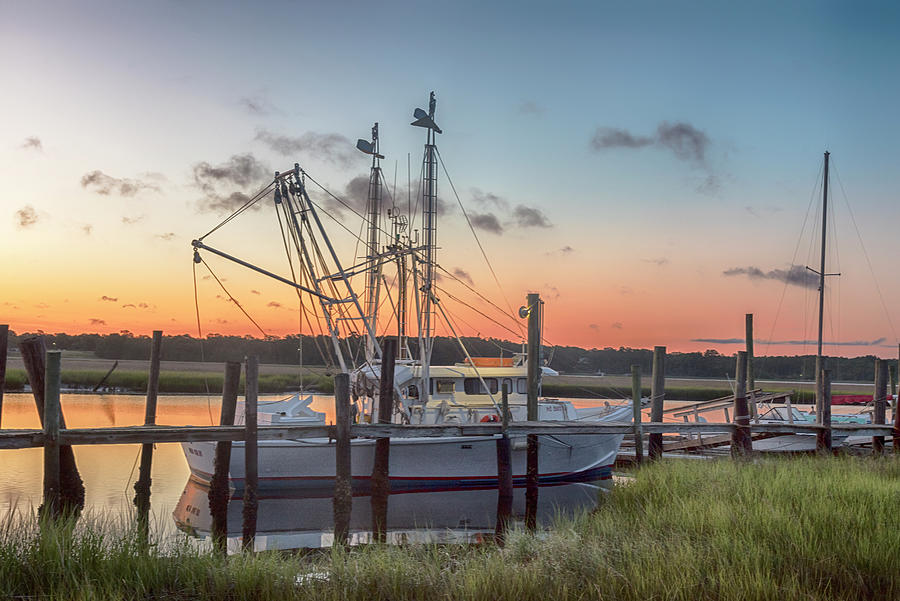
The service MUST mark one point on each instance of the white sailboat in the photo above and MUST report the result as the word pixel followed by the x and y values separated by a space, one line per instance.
pixel 465 392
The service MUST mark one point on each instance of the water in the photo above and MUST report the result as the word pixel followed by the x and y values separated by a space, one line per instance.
pixel 285 521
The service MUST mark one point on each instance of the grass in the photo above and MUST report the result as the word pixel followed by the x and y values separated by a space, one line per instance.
pixel 808 528
pixel 178 381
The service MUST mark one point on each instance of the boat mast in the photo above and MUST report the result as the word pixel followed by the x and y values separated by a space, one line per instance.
pixel 822 275
pixel 429 228
pixel 373 204
pixel 400 224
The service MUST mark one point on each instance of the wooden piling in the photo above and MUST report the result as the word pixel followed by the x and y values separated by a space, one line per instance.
pixel 657 399
pixel 880 402
pixel 219 494
pixel 251 454
pixel 142 486
pixel 741 441
pixel 71 490
pixel 52 418
pixel 4 349
pixel 636 406
pixel 381 482
pixel 534 375
pixel 504 474
pixel 751 372
pixel 343 491
pixel 823 437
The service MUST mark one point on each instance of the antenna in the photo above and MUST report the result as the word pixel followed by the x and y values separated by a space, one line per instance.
pixel 423 119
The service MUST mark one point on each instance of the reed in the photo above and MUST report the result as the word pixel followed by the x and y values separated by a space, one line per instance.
pixel 808 528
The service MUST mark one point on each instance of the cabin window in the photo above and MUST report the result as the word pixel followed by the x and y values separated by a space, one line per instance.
pixel 473 386
pixel 522 386
pixel 445 386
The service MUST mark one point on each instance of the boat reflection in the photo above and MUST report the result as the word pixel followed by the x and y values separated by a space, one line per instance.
pixel 289 520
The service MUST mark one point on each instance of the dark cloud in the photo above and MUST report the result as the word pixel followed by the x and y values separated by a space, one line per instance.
pixel 531 108
pixel 129 306
pixel 255 292
pixel 487 222
pixel 608 137
pixel 109 299
pixel 97 322
pixel 566 249
pixel 26 216
pixel 274 304
pixel 530 217
pixel 489 200
pixel 104 184
pixel 167 237
pixel 333 148
pixel 217 182
pixel 463 275
pixel 33 143
pixel 684 140
pixel 797 275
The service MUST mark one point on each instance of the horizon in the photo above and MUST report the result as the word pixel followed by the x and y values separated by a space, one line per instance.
pixel 650 170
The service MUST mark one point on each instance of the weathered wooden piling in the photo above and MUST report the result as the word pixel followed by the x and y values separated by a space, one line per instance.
pixel 381 482
pixel 823 437
pixel 741 441
pixel 504 473
pixel 71 490
pixel 636 406
pixel 534 375
pixel 142 486
pixel 51 506
pixel 657 399
pixel 219 494
pixel 4 349
pixel 251 454
pixel 343 491
pixel 880 402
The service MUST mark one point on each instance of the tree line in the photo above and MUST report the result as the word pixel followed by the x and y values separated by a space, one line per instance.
pixel 318 351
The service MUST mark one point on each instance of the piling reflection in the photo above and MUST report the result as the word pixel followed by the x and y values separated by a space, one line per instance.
pixel 289 520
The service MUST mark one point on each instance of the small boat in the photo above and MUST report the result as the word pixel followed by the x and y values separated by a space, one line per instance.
pixel 466 392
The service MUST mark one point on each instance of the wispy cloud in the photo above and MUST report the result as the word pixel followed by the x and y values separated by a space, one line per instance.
pixel 26 217
pixel 104 184
pixel 33 143
pixel 97 322
pixel 257 105
pixel 530 217
pixel 217 182
pixel 329 147
pixel 109 299
pixel 274 304
pixel 463 275
pixel 531 108
pixel 617 325
pixel 491 205
pixel 659 261
pixel 88 229
pixel 257 292
pixel 167 237
pixel 682 139
pixel 796 275
pixel 132 220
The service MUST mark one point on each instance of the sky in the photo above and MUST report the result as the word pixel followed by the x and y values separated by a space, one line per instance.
pixel 652 169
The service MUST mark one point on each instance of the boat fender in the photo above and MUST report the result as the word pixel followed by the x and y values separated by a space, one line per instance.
pixel 492 418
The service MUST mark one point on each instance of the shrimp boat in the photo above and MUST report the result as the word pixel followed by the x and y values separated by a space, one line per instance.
pixel 464 392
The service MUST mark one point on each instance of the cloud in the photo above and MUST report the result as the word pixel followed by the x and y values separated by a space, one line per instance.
pixel 463 275
pixel 594 326
pixel 659 262
pixel 33 143
pixel 684 140
pixel 551 291
pixel 333 148
pixel 274 304
pixel 487 222
pixel 256 105
pixel 489 199
pixel 97 322
pixel 26 217
pixel 566 249
pixel 109 299
pixel 217 182
pixel 531 108
pixel 797 275
pixel 617 325
pixel 168 236
pixel 143 306
pixel 87 229
pixel 104 184
pixel 876 342
pixel 255 292
pixel 129 305
pixel 132 220
pixel 530 217
pixel 709 185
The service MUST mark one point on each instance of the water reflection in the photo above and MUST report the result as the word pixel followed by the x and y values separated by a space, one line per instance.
pixel 289 520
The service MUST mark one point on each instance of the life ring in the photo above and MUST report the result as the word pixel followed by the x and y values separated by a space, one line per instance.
pixel 492 418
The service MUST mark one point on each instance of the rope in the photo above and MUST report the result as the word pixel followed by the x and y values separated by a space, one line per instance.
pixel 200 339
pixel 234 300
pixel 241 209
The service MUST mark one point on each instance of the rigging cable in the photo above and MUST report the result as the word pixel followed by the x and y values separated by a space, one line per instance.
pixel 200 340
pixel 232 299
pixel 250 202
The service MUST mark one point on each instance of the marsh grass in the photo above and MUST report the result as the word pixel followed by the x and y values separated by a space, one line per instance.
pixel 807 528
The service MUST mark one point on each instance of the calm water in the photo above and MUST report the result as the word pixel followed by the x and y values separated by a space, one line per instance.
pixel 109 473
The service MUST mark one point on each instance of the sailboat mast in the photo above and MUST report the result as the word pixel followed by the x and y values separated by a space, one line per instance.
pixel 822 275
pixel 374 272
